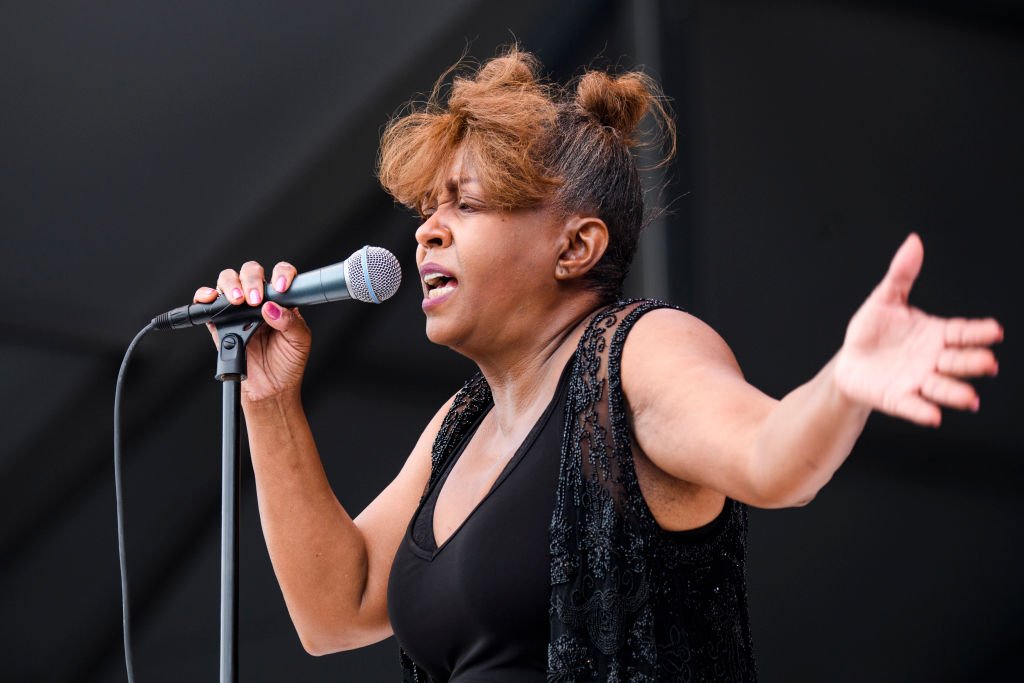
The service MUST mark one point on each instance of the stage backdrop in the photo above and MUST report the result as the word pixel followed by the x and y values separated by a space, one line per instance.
pixel 148 145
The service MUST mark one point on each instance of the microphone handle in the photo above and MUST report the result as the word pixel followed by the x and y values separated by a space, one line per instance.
pixel 315 287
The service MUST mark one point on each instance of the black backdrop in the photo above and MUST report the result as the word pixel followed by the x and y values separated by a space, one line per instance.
pixel 147 146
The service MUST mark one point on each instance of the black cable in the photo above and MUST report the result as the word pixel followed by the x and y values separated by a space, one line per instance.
pixel 119 496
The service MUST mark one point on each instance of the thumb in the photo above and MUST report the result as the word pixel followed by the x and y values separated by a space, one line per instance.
pixel 903 270
pixel 284 320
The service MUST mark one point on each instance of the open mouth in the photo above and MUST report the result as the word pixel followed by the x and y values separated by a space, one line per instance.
pixel 439 284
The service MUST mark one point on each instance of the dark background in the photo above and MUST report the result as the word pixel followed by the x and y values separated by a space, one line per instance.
pixel 147 145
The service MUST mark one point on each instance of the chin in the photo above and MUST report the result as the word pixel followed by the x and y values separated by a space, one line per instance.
pixel 446 333
pixel 438 332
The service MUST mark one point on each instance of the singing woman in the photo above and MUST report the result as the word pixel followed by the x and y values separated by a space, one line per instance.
pixel 577 511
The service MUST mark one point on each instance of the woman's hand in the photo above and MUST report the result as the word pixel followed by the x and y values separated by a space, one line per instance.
pixel 277 353
pixel 904 362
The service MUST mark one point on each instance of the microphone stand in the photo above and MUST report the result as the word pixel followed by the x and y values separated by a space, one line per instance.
pixel 233 337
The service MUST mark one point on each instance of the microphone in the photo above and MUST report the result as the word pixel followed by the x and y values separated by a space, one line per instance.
pixel 371 274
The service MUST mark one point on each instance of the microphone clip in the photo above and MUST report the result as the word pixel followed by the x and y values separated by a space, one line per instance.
pixel 231 340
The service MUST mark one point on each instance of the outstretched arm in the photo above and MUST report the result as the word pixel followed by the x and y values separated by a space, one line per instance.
pixel 697 419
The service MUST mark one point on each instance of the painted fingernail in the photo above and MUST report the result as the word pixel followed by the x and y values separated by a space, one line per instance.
pixel 254 296
pixel 273 312
pixel 236 294
pixel 279 284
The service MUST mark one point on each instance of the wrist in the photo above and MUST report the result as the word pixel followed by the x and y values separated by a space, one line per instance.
pixel 280 403
pixel 839 384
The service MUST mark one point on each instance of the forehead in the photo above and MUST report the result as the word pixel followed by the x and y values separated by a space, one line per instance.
pixel 460 174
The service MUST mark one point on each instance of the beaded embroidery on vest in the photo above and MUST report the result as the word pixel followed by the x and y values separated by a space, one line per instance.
pixel 630 602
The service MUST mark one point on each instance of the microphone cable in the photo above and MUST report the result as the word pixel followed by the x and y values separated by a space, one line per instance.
pixel 119 496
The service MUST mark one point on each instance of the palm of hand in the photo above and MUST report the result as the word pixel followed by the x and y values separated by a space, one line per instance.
pixel 275 364
pixel 275 359
pixel 905 362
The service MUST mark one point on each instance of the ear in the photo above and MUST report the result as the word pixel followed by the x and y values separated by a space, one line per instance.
pixel 584 241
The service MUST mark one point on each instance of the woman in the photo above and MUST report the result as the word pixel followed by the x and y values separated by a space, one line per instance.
pixel 576 512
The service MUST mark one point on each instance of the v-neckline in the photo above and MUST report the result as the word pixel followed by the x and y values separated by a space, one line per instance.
pixel 516 458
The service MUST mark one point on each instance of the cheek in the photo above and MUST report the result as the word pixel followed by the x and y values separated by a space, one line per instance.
pixel 508 259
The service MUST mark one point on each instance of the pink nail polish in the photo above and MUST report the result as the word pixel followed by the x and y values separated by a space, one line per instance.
pixel 273 312
pixel 254 296
pixel 279 285
pixel 236 293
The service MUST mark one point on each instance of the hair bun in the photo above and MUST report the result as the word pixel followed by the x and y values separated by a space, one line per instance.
pixel 619 102
pixel 512 69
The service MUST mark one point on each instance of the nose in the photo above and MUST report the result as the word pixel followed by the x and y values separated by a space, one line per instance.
pixel 433 232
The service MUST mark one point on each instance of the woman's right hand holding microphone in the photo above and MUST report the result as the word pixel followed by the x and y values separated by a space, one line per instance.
pixel 278 351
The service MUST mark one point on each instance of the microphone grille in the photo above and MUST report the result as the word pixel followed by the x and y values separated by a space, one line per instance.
pixel 372 274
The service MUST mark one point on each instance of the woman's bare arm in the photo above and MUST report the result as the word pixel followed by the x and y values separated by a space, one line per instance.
pixel 333 570
pixel 697 419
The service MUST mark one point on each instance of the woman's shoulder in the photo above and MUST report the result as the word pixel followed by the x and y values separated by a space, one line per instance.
pixel 665 344
pixel 662 330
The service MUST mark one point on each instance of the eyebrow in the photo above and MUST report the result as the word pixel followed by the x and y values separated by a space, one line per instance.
pixel 451 186
pixel 455 182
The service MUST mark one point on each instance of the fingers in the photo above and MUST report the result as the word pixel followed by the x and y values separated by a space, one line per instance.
pixel 251 277
pixel 903 270
pixel 919 410
pixel 213 333
pixel 967 363
pixel 282 277
pixel 950 392
pixel 229 283
pixel 204 295
pixel 965 332
pixel 245 285
pixel 937 390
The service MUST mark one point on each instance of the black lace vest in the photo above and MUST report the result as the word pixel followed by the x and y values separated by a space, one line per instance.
pixel 630 602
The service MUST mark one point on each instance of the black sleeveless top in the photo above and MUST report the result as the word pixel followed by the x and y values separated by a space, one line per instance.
pixel 626 600
pixel 487 586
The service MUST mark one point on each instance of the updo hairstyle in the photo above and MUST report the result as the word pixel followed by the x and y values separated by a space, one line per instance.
pixel 532 142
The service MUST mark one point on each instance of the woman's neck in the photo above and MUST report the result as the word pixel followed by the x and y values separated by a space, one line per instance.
pixel 523 377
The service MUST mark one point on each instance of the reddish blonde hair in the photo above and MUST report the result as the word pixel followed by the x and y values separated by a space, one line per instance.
pixel 530 142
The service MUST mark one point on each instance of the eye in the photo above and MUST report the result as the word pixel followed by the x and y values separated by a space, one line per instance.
pixel 463 206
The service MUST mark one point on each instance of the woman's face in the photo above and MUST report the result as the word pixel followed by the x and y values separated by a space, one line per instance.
pixel 488 276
